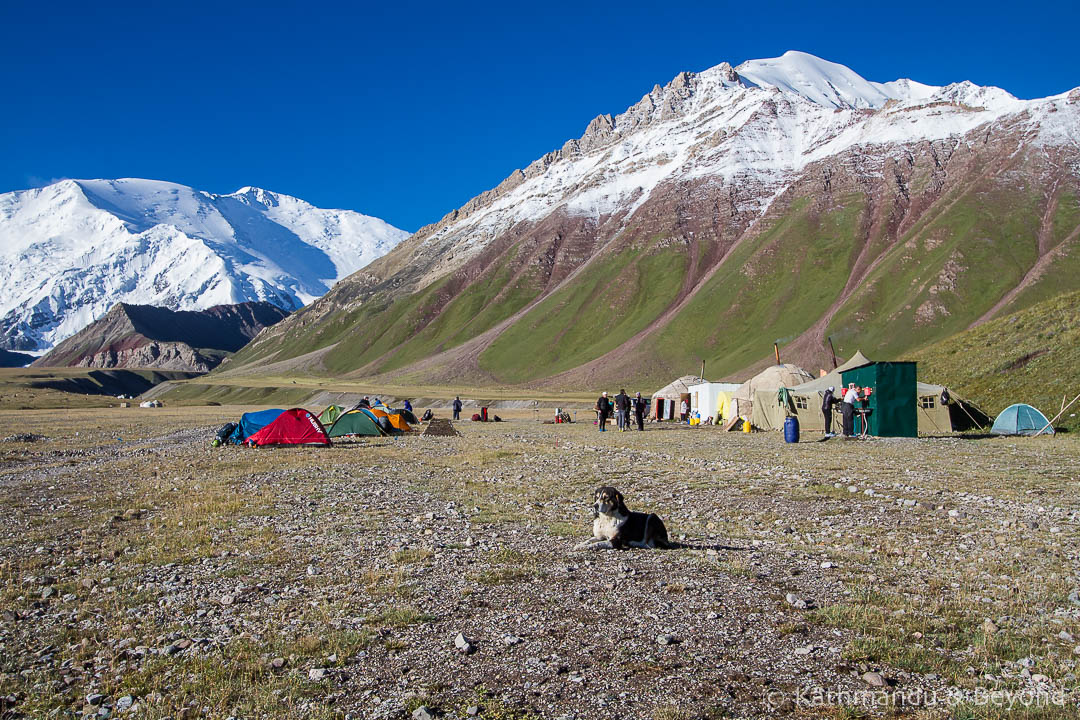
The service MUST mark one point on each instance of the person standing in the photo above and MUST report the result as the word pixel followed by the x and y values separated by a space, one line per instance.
pixel 639 411
pixel 848 407
pixel 827 403
pixel 408 406
pixel 457 408
pixel 683 410
pixel 603 410
pixel 622 410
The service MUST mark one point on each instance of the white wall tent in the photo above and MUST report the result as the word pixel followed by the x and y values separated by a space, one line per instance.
pixel 705 398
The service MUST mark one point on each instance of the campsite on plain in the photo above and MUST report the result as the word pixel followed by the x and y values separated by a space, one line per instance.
pixel 141 565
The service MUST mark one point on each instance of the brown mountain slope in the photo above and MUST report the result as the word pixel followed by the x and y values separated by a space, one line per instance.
pixel 135 336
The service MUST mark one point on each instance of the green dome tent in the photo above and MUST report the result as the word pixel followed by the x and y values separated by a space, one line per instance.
pixel 330 415
pixel 1020 419
pixel 354 422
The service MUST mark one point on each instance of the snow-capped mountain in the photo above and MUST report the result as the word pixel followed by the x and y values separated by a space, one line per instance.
pixel 786 198
pixel 72 250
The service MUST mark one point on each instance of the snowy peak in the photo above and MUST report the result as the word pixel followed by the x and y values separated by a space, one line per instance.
pixel 72 250
pixel 826 83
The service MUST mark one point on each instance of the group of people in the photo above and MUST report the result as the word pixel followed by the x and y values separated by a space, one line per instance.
pixel 622 408
pixel 847 409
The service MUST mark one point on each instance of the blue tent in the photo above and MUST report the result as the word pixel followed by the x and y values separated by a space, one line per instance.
pixel 251 423
pixel 1020 419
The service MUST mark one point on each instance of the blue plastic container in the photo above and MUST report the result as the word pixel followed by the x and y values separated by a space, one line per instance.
pixel 791 430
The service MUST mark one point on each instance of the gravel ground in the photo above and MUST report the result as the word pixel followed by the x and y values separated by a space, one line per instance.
pixel 147 574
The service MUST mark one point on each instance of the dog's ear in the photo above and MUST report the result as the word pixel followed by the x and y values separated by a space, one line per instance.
pixel 622 504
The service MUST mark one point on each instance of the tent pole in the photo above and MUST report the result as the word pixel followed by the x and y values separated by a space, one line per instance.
pixel 977 423
pixel 776 349
pixel 1059 414
pixel 833 350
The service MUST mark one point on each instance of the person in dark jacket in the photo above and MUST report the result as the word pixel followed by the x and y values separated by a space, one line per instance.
pixel 408 406
pixel 457 408
pixel 622 410
pixel 640 407
pixel 827 403
pixel 603 411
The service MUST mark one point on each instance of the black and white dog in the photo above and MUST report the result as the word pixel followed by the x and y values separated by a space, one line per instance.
pixel 614 526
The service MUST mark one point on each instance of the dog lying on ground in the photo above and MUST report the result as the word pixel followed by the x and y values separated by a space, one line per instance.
pixel 615 527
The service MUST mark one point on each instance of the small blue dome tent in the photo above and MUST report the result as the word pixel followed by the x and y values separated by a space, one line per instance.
pixel 1020 419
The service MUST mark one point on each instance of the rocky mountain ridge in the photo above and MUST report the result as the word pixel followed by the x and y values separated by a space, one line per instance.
pixel 780 200
pixel 143 336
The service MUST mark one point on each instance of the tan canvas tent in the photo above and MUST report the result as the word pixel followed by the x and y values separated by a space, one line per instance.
pixel 756 398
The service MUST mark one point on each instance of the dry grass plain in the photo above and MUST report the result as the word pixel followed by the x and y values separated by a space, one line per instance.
pixel 145 574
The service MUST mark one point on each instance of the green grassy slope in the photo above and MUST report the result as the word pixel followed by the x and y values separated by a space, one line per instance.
pixel 772 288
pixel 1031 356
pixel 614 298
pixel 945 273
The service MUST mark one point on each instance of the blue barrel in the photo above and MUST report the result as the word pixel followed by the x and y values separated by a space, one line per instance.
pixel 791 430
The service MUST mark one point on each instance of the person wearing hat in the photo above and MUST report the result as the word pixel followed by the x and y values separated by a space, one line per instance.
pixel 603 410
pixel 827 403
pixel 851 396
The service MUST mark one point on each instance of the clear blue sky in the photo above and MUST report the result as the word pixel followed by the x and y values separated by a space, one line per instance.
pixel 406 110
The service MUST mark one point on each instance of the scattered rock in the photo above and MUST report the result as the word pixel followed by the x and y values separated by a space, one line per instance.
pixel 464 645
pixel 666 639
pixel 796 602
pixel 423 713
pixel 874 679
pixel 317 674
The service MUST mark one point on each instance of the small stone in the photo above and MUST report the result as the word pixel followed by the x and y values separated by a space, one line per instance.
pixel 87 583
pixel 316 674
pixel 277 663
pixel 666 639
pixel 227 599
pixel 1065 636
pixel 853 489
pixel 94 699
pixel 828 565
pixel 1039 679
pixel 511 640
pixel 795 601
pixel 423 713
pixel 463 644
pixel 804 650
pixel 874 679
pixel 47 592
pixel 472 710
pixel 124 703
pixel 989 627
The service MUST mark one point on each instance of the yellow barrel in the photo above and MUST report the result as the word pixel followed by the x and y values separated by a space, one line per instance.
pixel 746 425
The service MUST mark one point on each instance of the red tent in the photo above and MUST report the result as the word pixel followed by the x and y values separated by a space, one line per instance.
pixel 293 427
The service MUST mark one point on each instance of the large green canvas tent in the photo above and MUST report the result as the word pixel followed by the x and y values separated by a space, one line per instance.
pixel 893 386
pixel 1021 419
pixel 354 422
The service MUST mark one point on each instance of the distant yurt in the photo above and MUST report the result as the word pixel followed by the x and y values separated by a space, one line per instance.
pixel 666 401
pixel 757 397
pixel 1021 419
